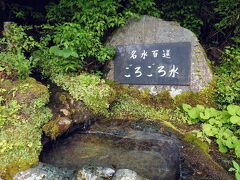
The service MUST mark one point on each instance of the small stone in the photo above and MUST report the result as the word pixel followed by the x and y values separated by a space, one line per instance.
pixel 105 172
pixel 127 174
pixel 86 174
pixel 65 112
pixel 46 172
pixel 94 173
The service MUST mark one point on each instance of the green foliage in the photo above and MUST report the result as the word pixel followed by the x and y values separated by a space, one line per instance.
pixel 72 46
pixel 222 125
pixel 16 43
pixel 20 12
pixel 22 113
pixel 14 65
pixel 186 12
pixel 76 33
pixel 75 39
pixel 229 16
pixel 228 81
pixel 16 40
pixel 96 16
pixel 90 89
pixel 147 7
pixel 236 169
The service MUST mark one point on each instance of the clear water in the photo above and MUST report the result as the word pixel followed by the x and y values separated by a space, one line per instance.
pixel 149 158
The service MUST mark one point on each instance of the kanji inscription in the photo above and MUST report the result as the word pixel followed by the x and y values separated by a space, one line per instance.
pixel 164 63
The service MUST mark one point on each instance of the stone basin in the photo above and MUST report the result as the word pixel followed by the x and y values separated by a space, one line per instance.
pixel 151 155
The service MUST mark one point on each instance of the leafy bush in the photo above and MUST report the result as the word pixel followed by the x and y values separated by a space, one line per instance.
pixel 229 19
pixel 16 43
pixel 16 40
pixel 76 33
pixel 96 16
pixel 147 7
pixel 228 81
pixel 23 13
pixel 222 125
pixel 72 45
pixel 186 12
pixel 14 65
pixel 90 89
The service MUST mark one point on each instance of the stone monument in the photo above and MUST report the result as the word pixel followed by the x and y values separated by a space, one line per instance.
pixel 158 55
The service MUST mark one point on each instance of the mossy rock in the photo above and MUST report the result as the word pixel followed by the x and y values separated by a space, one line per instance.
pixel 90 89
pixel 22 113
pixel 57 127
pixel 28 91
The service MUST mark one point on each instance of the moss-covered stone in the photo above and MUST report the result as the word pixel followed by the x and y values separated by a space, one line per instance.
pixel 204 97
pixel 189 137
pixel 57 127
pixel 67 112
pixel 28 92
pixel 90 89
pixel 128 107
pixel 22 113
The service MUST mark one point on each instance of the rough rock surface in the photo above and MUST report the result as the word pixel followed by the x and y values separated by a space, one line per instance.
pixel 126 174
pixel 46 172
pixel 67 112
pixel 150 30
pixel 97 173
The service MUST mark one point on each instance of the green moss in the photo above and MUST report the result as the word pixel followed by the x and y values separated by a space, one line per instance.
pixel 189 137
pixel 204 97
pixel 27 91
pixel 161 100
pixel 131 108
pixel 23 112
pixel 52 129
pixel 90 89
pixel 164 100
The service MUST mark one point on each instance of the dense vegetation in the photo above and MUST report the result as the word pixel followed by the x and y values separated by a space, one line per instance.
pixel 65 43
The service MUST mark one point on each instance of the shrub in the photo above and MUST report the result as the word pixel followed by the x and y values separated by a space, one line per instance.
pixel 76 33
pixel 16 43
pixel 186 12
pixel 72 48
pixel 16 40
pixel 228 82
pixel 229 17
pixel 14 65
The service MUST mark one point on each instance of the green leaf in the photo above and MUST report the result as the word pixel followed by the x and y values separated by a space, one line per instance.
pixel 235 120
pixel 2 68
pixel 233 109
pixel 236 165
pixel 238 84
pixel 186 107
pixel 209 130
pixel 221 147
pixel 231 169
pixel 206 115
pixel 200 107
pixel 237 151
pixel 194 113
pixel 237 175
pixel 54 50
